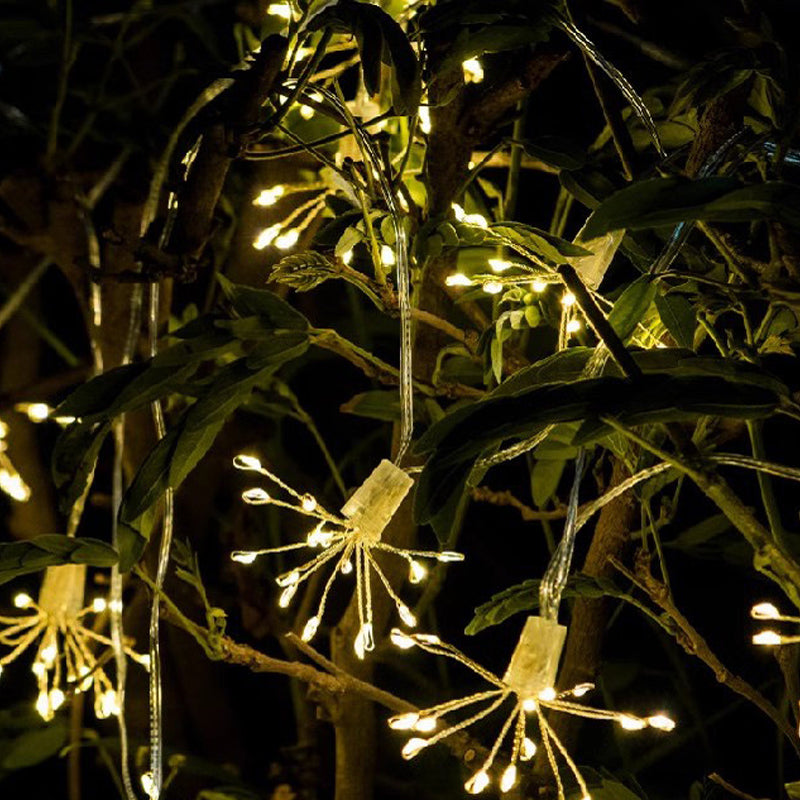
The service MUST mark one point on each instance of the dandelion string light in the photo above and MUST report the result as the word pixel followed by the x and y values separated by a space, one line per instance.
pixel 286 233
pixel 348 541
pixel 526 690
pixel 64 655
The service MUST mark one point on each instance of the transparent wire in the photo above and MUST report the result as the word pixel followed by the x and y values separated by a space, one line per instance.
pixel 588 47
pixel 555 578
pixel 372 161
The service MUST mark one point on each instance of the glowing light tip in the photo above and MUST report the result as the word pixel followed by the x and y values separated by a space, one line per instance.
pixel 765 611
pixel 23 600
pixel 661 722
pixel 458 279
pixel 243 557
pixel 412 747
pixel 406 615
pixel 473 70
pixel 425 119
pixel 246 462
pixel 509 778
pixel 287 240
pixel 310 629
pixel 99 605
pixel 401 640
pixel 539 286
pixel 568 299
pixel 548 694
pixel 499 264
pixel 416 572
pixel 266 237
pixel 478 782
pixel 268 197
pixel 527 750
pixel 404 722
pixel 387 256
pixel 283 10
pixel 573 326
pixel 632 723
pixel 492 287
pixel 767 638
pixel 255 496
pixel 581 689
pixel 449 555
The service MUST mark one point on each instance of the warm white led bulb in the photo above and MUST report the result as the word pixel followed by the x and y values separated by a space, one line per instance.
pixel 23 600
pixel 765 611
pixel 288 239
pixel 57 698
pixel 509 778
pixel 573 326
pixel 99 605
pixel 426 724
pixel 255 496
pixel 400 639
pixel 547 694
pixel 37 412
pixel 629 723
pixel 268 197
pixel 387 256
pixel 308 503
pixel 539 285
pixel 767 638
pixel 473 70
pixel 404 722
pixel 405 614
pixel 527 750
pixel 347 567
pixel 416 572
pixel 412 747
pixel 457 279
pixel 244 556
pixel 310 629
pixel 283 10
pixel 266 237
pixel 43 705
pixel 581 689
pixel 449 555
pixel 424 119
pixel 492 287
pixel 661 722
pixel 243 461
pixel 478 782
pixel 568 299
pixel 347 256
pixel 499 265
pixel 286 596
pixel 48 654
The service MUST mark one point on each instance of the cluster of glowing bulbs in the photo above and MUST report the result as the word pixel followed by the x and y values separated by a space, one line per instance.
pixel 65 658
pixel 520 705
pixel 349 541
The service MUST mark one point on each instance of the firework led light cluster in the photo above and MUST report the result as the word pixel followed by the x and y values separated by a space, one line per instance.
pixel 348 539
pixel 528 689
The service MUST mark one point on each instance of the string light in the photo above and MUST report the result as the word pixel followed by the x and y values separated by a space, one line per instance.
pixel 64 656
pixel 458 279
pixel 387 256
pixel 539 285
pixel 527 687
pixel 268 197
pixel 573 325
pixel 283 10
pixel 770 638
pixel 478 220
pixel 345 540
pixel 492 287
pixel 499 265
pixel 473 71
pixel 266 237
pixel 424 119
pixel 568 300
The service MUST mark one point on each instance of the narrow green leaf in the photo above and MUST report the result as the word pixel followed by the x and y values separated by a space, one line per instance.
pixel 631 306
pixel 678 316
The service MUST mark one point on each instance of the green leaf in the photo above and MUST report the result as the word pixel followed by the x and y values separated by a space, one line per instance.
pixel 631 306
pixel 179 451
pixel 35 746
pixel 651 398
pixel 52 550
pixel 380 40
pixel 375 404
pixel 667 201
pixel 525 597
pixel 275 313
pixel 678 316
pixel 74 458
pixel 557 152
pixel 547 246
